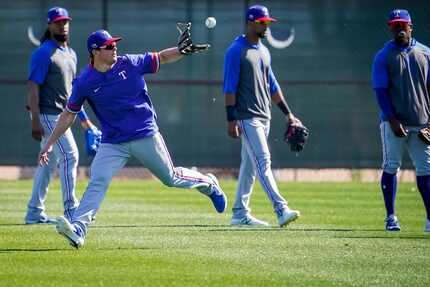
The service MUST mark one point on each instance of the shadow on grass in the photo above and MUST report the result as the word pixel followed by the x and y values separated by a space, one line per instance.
pixel 10 250
pixel 216 227
pixel 425 237
pixel 23 224
pixel 32 250
pixel 357 233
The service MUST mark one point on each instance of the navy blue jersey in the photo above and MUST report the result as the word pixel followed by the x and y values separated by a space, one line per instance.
pixel 119 97
pixel 404 73
pixel 53 67
pixel 249 76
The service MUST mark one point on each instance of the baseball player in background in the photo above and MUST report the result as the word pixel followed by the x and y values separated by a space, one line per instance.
pixel 52 69
pixel 401 82
pixel 249 87
pixel 116 91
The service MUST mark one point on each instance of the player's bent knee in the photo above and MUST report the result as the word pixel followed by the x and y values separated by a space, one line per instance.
pixel 391 168
pixel 99 183
pixel 423 171
pixel 168 181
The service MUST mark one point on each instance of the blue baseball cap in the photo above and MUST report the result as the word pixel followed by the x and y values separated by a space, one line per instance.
pixel 100 38
pixel 57 14
pixel 258 12
pixel 399 15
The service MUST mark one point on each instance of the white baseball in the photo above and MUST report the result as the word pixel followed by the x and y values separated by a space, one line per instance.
pixel 210 22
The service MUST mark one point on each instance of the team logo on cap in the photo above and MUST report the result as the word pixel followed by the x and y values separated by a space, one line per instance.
pixel 265 11
pixel 397 14
pixel 59 11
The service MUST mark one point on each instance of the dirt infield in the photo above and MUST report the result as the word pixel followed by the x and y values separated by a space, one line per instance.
pixel 299 174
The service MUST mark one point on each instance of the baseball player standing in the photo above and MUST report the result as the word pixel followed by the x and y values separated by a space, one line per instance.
pixel 52 69
pixel 401 82
pixel 249 86
pixel 116 91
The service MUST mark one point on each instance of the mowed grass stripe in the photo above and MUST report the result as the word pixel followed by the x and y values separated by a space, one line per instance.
pixel 146 234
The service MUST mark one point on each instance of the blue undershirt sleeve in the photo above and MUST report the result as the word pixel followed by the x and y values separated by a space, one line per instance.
pixel 380 70
pixel 231 71
pixel 39 66
pixel 384 103
pixel 274 85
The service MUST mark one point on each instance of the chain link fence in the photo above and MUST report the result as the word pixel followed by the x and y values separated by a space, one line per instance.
pixel 324 74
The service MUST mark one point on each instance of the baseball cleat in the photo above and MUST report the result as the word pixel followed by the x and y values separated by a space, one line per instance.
pixel 248 220
pixel 218 197
pixel 391 223
pixel 288 216
pixel 427 226
pixel 41 220
pixel 68 230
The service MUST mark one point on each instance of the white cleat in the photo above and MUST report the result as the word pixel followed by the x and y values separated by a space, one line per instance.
pixel 41 220
pixel 288 216
pixel 65 228
pixel 248 220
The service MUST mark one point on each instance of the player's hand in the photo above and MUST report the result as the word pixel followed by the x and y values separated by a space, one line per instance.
pixel 36 130
pixel 233 129
pixel 290 118
pixel 43 155
pixel 397 128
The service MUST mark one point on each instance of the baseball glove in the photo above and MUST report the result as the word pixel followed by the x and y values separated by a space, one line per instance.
pixel 424 135
pixel 296 135
pixel 185 44
pixel 92 140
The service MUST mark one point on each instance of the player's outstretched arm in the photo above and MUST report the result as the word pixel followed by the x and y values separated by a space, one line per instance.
pixel 64 122
pixel 169 55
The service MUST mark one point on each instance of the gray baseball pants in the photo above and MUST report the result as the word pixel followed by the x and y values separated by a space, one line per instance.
pixel 152 153
pixel 256 161
pixel 65 155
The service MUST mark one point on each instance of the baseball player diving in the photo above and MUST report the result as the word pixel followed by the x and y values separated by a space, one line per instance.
pixel 115 89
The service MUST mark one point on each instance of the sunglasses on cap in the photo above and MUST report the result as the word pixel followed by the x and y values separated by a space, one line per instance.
pixel 394 26
pixel 107 47
pixel 263 22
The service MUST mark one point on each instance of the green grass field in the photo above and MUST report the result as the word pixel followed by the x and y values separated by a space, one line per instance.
pixel 147 234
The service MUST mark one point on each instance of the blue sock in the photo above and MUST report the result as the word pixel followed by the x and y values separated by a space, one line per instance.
pixel 389 188
pixel 423 183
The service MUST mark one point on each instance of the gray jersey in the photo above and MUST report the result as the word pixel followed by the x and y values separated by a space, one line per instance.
pixel 405 73
pixel 53 68
pixel 249 76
